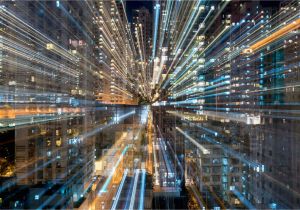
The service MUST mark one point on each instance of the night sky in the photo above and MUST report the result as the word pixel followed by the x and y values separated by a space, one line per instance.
pixel 132 5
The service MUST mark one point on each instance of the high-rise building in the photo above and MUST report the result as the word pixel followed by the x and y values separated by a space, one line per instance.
pixel 142 28
pixel 143 24
pixel 53 75
pixel 222 79
pixel 115 53
pixel 42 44
pixel 232 64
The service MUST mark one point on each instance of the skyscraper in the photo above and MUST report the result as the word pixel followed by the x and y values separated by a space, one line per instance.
pixel 142 27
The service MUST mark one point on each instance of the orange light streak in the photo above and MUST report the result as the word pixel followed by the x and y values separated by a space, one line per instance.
pixel 274 36
pixel 12 113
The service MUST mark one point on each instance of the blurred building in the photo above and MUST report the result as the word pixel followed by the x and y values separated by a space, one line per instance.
pixel 45 53
pixel 223 70
pixel 114 52
pixel 54 73
pixel 143 30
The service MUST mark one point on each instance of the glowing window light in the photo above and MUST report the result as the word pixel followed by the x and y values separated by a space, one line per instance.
pixel 58 142
pixel 49 46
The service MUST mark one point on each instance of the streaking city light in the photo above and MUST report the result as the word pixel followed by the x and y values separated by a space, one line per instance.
pixel 112 173
pixel 117 197
pixel 113 104
pixel 156 25
pixel 203 149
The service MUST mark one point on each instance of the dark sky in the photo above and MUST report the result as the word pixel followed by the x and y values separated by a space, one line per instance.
pixel 132 5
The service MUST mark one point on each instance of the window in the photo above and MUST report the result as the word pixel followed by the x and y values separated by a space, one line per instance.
pixel 49 143
pixel 58 142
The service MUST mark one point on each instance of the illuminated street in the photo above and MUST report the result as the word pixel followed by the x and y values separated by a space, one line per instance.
pixel 149 104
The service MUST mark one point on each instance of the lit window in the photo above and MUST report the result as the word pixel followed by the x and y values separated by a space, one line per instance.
pixel 58 142
pixel 49 46
pixel 49 153
pixel 48 143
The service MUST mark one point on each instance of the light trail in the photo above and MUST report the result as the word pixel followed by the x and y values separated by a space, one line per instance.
pixel 50 45
pixel 100 128
pixel 156 19
pixel 176 157
pixel 61 148
pixel 132 199
pixel 165 83
pixel 142 190
pixel 203 149
pixel 170 169
pixel 192 19
pixel 235 154
pixel 274 36
pixel 156 174
pixel 243 199
pixel 231 71
pixel 70 180
pixel 108 180
pixel 9 184
pixel 117 197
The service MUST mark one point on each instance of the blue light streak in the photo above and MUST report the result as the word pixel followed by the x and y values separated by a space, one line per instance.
pixel 108 180
pixel 142 190
pixel 117 197
pixel 157 9
pixel 132 199
pixel 242 198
